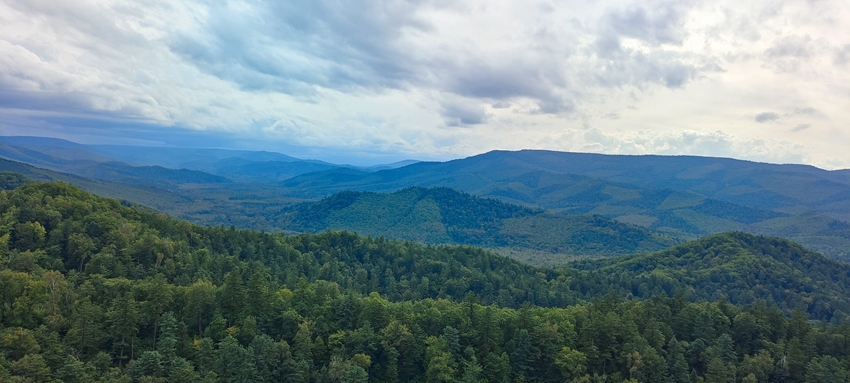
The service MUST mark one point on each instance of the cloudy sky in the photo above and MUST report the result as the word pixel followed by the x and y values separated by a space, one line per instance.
pixel 371 81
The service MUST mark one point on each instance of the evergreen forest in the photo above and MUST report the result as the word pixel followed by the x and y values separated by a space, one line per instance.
pixel 102 290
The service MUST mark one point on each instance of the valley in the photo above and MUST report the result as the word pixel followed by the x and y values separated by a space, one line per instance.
pixel 680 198
pixel 93 290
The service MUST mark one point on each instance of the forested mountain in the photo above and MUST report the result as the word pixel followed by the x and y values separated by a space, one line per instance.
pixel 446 216
pixel 738 267
pixel 531 235
pixel 242 205
pixel 83 163
pixel 93 290
pixel 681 196
pixel 529 174
pixel 665 210
pixel 262 172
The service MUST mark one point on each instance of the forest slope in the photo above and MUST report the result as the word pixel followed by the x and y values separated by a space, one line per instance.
pixel 789 188
pixel 447 216
pixel 91 290
pixel 57 226
pixel 738 267
pixel 243 205
pixel 681 195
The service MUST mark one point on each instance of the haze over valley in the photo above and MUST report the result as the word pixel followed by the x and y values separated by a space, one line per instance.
pixel 392 191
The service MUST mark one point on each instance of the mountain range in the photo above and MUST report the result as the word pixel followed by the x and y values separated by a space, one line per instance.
pixel 446 216
pixel 738 195
pixel 96 289
pixel 677 197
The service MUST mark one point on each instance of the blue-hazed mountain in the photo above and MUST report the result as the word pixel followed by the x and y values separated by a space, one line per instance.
pixel 243 205
pixel 138 165
pixel 262 172
pixel 683 195
pixel 557 179
pixel 447 216
pixel 84 163
pixel 183 157
pixel 259 167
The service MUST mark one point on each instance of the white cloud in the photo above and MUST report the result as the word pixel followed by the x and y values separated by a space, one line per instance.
pixel 715 144
pixel 396 76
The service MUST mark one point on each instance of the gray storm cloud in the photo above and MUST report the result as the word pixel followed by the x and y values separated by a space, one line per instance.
pixel 767 117
pixel 394 73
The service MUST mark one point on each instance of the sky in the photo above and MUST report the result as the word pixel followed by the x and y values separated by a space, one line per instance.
pixel 373 81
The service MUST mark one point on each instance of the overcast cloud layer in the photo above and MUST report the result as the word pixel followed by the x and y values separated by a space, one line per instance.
pixel 759 80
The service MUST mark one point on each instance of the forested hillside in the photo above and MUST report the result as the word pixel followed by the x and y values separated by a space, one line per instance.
pixel 242 205
pixel 86 164
pixel 93 290
pixel 546 178
pixel 738 267
pixel 447 216
pixel 682 197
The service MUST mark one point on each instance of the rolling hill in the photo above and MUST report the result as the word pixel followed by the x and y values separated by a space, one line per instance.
pixel 555 179
pixel 657 192
pixel 242 205
pixel 739 267
pixel 93 290
pixel 682 196
pixel 446 216
pixel 83 163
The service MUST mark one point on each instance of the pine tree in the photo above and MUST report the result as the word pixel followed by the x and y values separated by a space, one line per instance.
pixel 233 363
pixel 167 345
pixel 205 356
pixel 148 364
pixel 677 365
pixel 123 318
pixel 232 297
pixel 825 369
pixel 440 366
pixel 471 369
pixel 521 352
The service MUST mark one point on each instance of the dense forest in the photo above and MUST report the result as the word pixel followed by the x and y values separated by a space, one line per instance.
pixel 587 213
pixel 92 290
pixel 447 216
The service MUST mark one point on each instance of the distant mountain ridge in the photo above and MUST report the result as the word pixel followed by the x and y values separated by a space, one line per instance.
pixel 734 267
pixel 237 165
pixel 523 174
pixel 446 216
pixel 679 196
pixel 87 164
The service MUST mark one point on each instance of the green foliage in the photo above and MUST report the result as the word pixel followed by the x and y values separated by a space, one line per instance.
pixel 9 180
pixel 447 216
pixel 737 267
pixel 160 300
